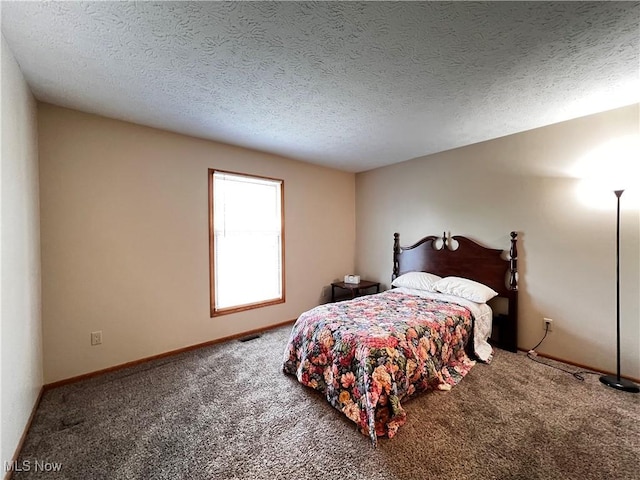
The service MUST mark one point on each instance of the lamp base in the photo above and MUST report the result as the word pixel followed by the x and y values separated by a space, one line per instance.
pixel 619 383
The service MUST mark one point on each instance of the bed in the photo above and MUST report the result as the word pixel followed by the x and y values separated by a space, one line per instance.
pixel 369 354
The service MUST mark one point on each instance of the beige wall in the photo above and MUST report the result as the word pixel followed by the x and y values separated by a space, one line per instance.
pixel 519 182
pixel 125 239
pixel 21 337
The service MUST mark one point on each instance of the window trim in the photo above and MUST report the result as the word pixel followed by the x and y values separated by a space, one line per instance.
pixel 215 312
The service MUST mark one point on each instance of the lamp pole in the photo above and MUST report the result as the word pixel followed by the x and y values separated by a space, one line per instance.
pixel 618 195
pixel 611 380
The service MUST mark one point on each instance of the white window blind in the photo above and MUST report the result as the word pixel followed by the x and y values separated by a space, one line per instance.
pixel 247 244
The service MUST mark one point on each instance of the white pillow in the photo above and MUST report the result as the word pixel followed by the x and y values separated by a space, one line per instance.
pixel 465 288
pixel 417 280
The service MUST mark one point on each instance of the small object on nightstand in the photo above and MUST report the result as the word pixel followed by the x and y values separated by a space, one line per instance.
pixel 355 289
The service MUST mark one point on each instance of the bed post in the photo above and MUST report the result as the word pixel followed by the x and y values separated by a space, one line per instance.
pixel 513 262
pixel 511 328
pixel 396 252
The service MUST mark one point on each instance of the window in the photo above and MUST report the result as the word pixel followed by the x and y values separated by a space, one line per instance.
pixel 246 241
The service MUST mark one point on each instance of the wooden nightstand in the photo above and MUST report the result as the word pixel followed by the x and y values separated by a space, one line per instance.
pixel 354 289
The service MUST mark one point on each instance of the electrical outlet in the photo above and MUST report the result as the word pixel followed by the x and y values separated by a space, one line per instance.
pixel 96 337
pixel 549 322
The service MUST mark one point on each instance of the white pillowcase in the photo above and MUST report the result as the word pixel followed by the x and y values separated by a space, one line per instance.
pixel 465 288
pixel 417 280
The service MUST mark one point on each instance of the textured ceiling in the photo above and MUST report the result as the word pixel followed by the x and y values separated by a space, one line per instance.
pixel 345 84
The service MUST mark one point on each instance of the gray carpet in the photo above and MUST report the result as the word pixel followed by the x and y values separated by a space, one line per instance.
pixel 228 412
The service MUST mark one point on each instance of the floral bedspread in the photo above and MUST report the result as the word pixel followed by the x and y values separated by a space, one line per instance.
pixel 368 354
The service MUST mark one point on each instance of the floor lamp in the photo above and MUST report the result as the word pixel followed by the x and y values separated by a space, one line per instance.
pixel 614 381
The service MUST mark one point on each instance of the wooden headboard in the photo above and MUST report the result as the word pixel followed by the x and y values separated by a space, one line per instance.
pixel 468 260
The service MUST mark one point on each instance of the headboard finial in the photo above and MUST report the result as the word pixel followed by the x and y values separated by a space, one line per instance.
pixel 396 252
pixel 513 262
